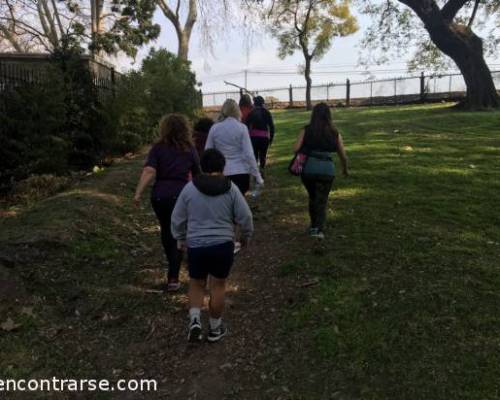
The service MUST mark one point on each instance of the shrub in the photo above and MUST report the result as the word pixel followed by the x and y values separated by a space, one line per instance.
pixel 39 186
pixel 63 125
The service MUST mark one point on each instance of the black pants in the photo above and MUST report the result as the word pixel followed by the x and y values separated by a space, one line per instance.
pixel 163 209
pixel 260 146
pixel 318 191
pixel 242 181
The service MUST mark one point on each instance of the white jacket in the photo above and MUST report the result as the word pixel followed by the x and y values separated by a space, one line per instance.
pixel 231 138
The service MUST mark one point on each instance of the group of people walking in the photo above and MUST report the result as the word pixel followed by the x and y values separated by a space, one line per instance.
pixel 201 177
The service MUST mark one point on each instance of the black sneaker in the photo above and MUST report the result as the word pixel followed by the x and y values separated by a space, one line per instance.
pixel 316 233
pixel 214 335
pixel 195 335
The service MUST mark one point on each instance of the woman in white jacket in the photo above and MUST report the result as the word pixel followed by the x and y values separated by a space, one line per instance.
pixel 231 138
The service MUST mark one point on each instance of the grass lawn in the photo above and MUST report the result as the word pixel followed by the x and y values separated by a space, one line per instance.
pixel 404 300
pixel 408 300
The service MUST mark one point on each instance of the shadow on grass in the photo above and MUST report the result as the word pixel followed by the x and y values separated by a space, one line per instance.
pixel 405 306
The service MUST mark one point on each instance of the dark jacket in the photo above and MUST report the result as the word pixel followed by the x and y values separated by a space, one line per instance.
pixel 261 119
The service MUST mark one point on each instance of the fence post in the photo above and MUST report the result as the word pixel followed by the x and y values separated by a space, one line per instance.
pixel 347 93
pixel 290 95
pixel 371 93
pixel 449 88
pixel 113 82
pixel 422 87
pixel 327 92
pixel 395 91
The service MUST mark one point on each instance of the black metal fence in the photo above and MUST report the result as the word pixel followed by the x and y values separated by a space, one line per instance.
pixel 18 70
pixel 401 90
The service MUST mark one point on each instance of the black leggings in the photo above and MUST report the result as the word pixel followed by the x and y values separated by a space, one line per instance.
pixel 318 191
pixel 260 146
pixel 242 181
pixel 163 209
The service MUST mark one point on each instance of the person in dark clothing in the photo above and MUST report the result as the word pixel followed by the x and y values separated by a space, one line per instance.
pixel 246 106
pixel 318 141
pixel 200 134
pixel 170 163
pixel 261 128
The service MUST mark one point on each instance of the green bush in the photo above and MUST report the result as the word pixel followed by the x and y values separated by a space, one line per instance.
pixel 32 133
pixel 163 85
pixel 63 125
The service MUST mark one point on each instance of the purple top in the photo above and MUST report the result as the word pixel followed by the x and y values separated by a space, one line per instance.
pixel 173 169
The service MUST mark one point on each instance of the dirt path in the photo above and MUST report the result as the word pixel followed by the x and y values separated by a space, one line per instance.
pixel 238 367
pixel 94 297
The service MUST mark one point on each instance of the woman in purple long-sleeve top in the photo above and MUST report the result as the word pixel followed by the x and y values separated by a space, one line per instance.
pixel 170 164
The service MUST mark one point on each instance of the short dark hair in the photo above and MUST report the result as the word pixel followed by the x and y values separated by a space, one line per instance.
pixel 203 125
pixel 259 101
pixel 212 161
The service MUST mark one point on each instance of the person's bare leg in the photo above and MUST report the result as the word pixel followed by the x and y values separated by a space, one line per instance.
pixel 196 292
pixel 217 297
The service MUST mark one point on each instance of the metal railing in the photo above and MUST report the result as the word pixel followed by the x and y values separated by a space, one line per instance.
pixel 25 70
pixel 400 90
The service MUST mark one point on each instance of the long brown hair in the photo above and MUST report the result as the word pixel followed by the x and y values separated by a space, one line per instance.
pixel 321 125
pixel 175 131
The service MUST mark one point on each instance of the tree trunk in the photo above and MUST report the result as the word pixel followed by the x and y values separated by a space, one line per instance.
pixel 183 50
pixel 307 75
pixel 466 50
pixel 463 46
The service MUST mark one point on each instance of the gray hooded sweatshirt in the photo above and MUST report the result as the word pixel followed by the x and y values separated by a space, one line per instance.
pixel 207 210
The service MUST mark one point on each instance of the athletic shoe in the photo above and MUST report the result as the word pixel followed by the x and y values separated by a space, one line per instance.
pixel 195 335
pixel 214 335
pixel 237 247
pixel 316 233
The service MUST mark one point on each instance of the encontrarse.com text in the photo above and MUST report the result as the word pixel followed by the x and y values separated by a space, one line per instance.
pixel 77 385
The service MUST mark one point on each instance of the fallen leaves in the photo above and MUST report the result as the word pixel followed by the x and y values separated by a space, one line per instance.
pixel 9 325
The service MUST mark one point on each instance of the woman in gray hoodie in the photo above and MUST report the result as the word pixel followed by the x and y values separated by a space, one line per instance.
pixel 203 222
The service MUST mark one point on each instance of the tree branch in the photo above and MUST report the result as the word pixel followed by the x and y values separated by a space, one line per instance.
pixel 177 9
pixel 191 19
pixel 52 33
pixel 170 15
pixel 11 39
pixel 474 12
pixel 58 18
pixel 451 8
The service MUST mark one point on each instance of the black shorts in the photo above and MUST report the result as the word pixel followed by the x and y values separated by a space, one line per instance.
pixel 212 260
pixel 242 181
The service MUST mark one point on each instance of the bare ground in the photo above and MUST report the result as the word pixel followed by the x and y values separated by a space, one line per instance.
pixel 85 265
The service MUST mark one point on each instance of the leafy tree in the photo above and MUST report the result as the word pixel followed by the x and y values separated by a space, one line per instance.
pixel 164 84
pixel 437 27
pixel 54 124
pixel 103 25
pixel 309 26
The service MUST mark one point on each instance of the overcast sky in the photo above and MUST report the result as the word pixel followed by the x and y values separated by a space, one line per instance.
pixel 266 70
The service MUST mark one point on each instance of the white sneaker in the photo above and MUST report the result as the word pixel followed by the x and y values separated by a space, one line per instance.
pixel 237 247
pixel 195 335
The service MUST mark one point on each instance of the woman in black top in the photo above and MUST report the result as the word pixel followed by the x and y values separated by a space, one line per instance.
pixel 318 140
pixel 261 128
